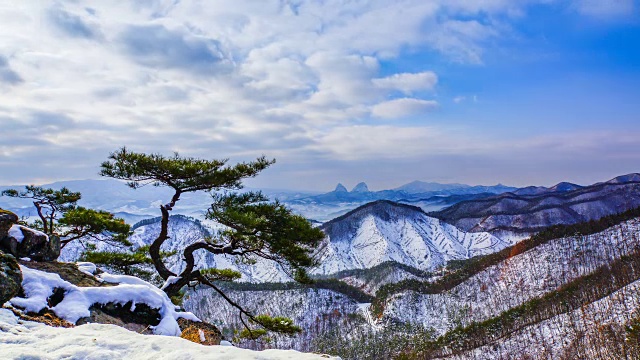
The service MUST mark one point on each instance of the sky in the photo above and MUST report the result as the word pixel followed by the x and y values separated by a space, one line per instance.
pixel 519 92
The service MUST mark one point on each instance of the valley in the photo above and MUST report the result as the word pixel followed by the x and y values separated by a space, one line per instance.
pixel 389 271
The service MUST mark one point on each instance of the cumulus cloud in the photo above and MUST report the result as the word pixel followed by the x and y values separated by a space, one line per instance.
pixel 408 82
pixel 230 78
pixel 156 46
pixel 401 108
pixel 72 25
pixel 7 75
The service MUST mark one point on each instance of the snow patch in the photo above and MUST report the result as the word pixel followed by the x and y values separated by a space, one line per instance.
pixel 170 280
pixel 16 233
pixel 86 267
pixel 39 285
pixel 30 340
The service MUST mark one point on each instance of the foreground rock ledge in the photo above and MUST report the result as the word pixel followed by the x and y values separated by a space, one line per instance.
pixel 35 340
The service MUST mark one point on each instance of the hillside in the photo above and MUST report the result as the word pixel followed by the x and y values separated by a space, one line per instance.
pixel 386 231
pixel 537 303
pixel 30 340
pixel 526 211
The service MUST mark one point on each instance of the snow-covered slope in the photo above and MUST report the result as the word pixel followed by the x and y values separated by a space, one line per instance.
pixel 595 331
pixel 386 231
pixel 515 280
pixel 182 232
pixel 30 340
pixel 366 237
pixel 316 311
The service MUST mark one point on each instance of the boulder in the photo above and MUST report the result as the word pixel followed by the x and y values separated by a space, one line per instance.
pixel 7 220
pixel 10 277
pixel 22 241
pixel 200 332
pixel 137 317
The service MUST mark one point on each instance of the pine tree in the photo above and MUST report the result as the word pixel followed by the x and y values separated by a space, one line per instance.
pixel 60 216
pixel 255 227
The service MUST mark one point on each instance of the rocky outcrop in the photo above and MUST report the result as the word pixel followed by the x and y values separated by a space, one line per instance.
pixel 10 277
pixel 7 220
pixel 25 242
pixel 133 316
pixel 21 241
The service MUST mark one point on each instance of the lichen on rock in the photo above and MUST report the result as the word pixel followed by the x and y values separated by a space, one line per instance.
pixel 10 277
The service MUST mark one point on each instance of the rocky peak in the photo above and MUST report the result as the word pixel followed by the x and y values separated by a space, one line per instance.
pixel 340 188
pixel 360 188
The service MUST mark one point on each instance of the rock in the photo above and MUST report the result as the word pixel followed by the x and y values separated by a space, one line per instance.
pixel 7 220
pixel 10 277
pixel 137 317
pixel 22 242
pixel 67 271
pixel 200 332
pixel 118 315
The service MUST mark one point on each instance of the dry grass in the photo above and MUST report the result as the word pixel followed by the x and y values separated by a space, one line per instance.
pixel 48 318
pixel 192 331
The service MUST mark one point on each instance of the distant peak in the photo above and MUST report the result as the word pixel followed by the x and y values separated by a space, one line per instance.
pixel 633 177
pixel 340 188
pixel 360 188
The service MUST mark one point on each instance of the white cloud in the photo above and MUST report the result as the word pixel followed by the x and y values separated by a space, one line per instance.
pixel 605 8
pixel 217 78
pixel 401 108
pixel 408 82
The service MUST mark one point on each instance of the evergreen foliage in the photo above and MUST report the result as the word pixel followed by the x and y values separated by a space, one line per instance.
pixel 255 227
pixel 128 262
pixel 59 215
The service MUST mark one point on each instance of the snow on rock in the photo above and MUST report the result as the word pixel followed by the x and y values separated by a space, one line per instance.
pixel 16 233
pixel 39 285
pixel 30 340
pixel 86 267
pixel 170 280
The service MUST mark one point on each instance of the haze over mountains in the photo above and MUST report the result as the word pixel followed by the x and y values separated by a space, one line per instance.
pixel 135 205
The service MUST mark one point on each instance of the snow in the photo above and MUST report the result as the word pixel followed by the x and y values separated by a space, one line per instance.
pixel 86 267
pixel 405 236
pixel 514 281
pixel 170 280
pixel 30 340
pixel 39 285
pixel 16 233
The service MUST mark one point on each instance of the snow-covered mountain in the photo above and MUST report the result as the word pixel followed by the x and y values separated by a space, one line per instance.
pixel 315 310
pixel 134 205
pixel 515 280
pixel 368 236
pixel 386 231
pixel 184 231
pixel 428 196
pixel 529 210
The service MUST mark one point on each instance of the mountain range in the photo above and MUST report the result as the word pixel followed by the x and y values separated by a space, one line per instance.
pixel 528 210
pixel 487 277
pixel 385 231
pixel 142 203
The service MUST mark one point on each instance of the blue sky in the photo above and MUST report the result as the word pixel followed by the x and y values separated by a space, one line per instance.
pixel 479 92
